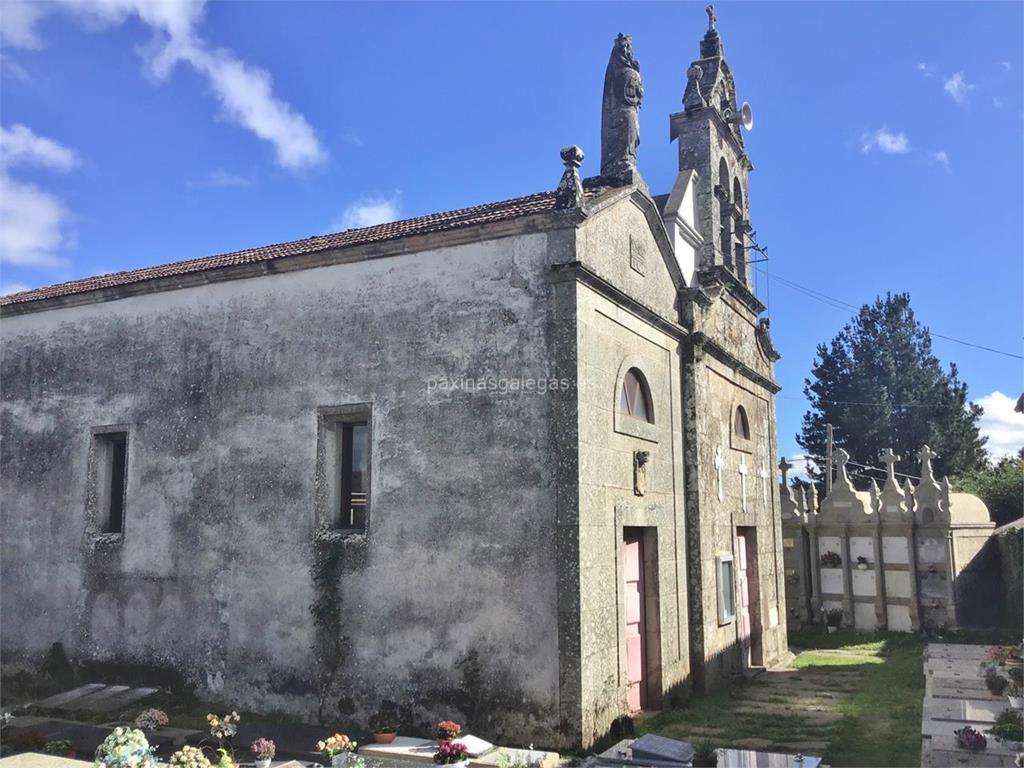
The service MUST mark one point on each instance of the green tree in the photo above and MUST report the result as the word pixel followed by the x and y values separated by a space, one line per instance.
pixel 880 386
pixel 1000 486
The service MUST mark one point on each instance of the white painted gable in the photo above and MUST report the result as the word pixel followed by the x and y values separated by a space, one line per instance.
pixel 680 217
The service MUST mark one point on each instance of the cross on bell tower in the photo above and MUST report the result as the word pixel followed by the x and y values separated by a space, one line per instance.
pixel 711 143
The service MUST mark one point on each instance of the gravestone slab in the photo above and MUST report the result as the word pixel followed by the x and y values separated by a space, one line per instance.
pixel 63 698
pixel 653 747
pixel 83 703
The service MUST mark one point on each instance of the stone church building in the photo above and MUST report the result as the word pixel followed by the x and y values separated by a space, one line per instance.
pixel 510 464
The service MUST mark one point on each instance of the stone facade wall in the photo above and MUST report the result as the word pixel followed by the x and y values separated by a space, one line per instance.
pixel 749 500
pixel 611 340
pixel 219 387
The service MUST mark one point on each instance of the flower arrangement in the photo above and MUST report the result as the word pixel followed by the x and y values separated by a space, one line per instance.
pixel 831 560
pixel 996 683
pixel 384 721
pixel 968 738
pixel 189 757
pixel 1009 726
pixel 151 719
pixel 1000 654
pixel 834 617
pixel 223 728
pixel 704 754
pixel 264 749
pixel 448 730
pixel 863 563
pixel 336 744
pixel 450 752
pixel 125 748
pixel 60 748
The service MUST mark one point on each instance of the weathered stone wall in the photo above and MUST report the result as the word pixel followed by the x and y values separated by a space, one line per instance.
pixel 718 389
pixel 447 604
pixel 611 340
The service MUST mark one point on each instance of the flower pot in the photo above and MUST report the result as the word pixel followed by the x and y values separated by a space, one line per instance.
pixel 832 629
pixel 460 764
pixel 862 566
pixel 384 738
pixel 340 759
pixel 1017 702
pixel 263 763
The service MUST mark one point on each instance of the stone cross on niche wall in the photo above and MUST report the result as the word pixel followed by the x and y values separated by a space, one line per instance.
pixel 719 463
pixel 763 474
pixel 743 481
pixel 926 455
pixel 889 459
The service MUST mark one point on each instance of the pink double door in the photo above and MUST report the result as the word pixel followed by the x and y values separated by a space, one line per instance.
pixel 743 624
pixel 633 556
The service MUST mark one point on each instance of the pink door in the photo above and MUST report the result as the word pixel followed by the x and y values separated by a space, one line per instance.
pixel 636 693
pixel 742 599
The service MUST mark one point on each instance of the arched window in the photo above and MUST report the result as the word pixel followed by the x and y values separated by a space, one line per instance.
pixel 635 398
pixel 741 426
pixel 739 247
pixel 724 217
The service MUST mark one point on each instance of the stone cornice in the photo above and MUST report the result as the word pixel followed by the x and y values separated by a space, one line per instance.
pixel 574 270
pixel 702 341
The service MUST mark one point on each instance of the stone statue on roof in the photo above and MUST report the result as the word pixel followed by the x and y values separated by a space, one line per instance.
pixel 620 114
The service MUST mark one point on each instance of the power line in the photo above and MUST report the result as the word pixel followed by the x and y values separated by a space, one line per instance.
pixel 839 304
pixel 857 402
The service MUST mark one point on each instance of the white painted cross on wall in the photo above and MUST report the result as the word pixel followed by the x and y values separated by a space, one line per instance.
pixel 719 463
pixel 743 481
pixel 763 474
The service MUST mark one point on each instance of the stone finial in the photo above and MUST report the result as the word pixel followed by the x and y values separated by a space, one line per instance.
pixel 693 98
pixel 620 114
pixel 839 458
pixel 876 501
pixel 569 195
pixel 812 499
pixel 925 456
pixel 908 492
pixel 889 459
pixel 712 17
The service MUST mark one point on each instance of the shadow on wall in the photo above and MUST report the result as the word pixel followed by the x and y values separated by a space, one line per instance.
pixel 989 588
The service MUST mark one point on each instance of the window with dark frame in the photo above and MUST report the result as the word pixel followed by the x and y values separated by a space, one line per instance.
pixel 634 399
pixel 112 476
pixel 742 425
pixel 353 468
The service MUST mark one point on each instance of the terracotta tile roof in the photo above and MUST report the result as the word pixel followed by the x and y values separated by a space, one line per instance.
pixel 435 222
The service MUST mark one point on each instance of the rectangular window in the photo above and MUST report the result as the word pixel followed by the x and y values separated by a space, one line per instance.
pixel 354 454
pixel 726 589
pixel 111 451
pixel 344 467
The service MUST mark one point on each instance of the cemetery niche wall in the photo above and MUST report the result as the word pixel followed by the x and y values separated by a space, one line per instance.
pixel 904 558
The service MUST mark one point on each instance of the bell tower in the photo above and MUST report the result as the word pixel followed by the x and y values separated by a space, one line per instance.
pixel 711 144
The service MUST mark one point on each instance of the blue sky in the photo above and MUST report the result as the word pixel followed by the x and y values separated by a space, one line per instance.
pixel 887 143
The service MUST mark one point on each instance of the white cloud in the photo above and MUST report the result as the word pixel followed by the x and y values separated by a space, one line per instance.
pixel 218 178
pixel 245 92
pixel 941 159
pixel 18 21
pixel 1007 66
pixel 1003 427
pixel 928 70
pixel 885 141
pixel 957 87
pixel 8 288
pixel 367 212
pixel 33 225
pixel 997 102
pixel 19 145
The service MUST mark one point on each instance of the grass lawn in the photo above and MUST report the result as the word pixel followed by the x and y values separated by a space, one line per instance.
pixel 853 698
